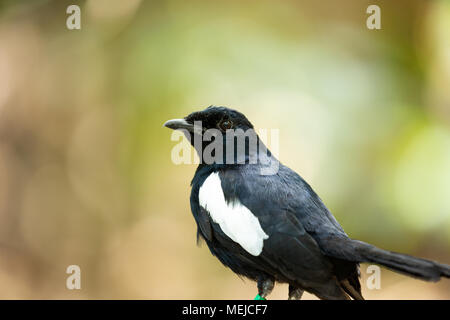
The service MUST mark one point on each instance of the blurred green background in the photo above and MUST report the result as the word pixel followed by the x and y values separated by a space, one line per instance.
pixel 86 175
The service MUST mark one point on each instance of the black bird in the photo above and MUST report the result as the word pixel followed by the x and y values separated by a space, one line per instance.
pixel 274 227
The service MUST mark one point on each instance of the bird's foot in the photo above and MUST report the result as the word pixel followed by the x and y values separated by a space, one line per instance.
pixel 295 293
pixel 265 286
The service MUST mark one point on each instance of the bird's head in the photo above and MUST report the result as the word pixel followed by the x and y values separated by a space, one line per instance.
pixel 223 136
pixel 217 131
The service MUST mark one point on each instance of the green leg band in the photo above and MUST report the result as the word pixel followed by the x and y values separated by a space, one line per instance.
pixel 258 297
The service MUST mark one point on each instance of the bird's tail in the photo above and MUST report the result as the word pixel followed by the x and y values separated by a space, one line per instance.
pixel 358 251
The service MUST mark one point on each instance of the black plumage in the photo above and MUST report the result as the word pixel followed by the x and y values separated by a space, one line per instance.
pixel 306 247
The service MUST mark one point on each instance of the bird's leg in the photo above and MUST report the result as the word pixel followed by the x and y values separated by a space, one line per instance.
pixel 295 293
pixel 265 286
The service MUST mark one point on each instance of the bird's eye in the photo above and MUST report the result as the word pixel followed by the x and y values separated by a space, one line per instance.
pixel 226 124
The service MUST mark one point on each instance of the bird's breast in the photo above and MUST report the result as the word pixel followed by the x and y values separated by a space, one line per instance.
pixel 234 219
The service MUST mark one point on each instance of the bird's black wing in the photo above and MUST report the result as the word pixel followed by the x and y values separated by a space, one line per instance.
pixel 284 191
pixel 286 194
pixel 289 250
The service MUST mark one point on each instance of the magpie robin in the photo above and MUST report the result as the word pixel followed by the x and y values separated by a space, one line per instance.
pixel 274 227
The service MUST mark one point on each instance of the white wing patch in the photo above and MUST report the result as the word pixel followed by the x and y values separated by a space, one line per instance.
pixel 235 220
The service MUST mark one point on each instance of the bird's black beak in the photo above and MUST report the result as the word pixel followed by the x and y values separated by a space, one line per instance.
pixel 177 124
